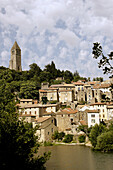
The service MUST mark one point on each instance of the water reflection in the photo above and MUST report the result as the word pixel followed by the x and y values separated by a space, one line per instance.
pixel 77 158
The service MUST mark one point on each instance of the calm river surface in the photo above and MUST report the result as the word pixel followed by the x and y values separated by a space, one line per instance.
pixel 77 158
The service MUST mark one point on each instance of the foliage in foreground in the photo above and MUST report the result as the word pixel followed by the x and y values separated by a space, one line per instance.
pixel 105 61
pixel 18 142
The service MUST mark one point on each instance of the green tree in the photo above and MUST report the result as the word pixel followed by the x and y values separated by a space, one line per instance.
pixel 98 79
pixel 18 142
pixel 34 70
pixel 68 76
pixel 29 90
pixel 25 76
pixel 85 129
pixel 45 76
pixel 51 68
pixel 95 132
pixel 105 142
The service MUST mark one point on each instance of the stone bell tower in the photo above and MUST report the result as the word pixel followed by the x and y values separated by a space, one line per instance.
pixel 15 61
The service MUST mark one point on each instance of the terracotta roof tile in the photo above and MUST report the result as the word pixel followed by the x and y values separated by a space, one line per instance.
pixel 42 119
pixel 92 111
pixel 83 122
pixel 78 83
pixel 67 111
pixel 98 104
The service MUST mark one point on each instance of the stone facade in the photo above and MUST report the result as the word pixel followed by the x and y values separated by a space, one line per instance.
pixel 67 121
pixel 50 93
pixel 66 96
pixel 110 111
pixel 15 61
pixel 38 110
pixel 29 109
pixel 47 127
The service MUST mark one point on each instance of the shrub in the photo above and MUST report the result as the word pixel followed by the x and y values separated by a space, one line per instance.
pixel 68 138
pixel 48 143
pixel 61 135
pixel 44 100
pixel 55 135
pixel 82 139
pixel 53 102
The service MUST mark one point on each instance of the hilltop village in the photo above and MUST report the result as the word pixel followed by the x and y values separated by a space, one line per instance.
pixel 64 107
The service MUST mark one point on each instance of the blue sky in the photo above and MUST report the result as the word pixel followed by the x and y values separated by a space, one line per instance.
pixel 62 31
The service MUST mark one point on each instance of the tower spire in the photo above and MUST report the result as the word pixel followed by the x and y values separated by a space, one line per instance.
pixel 15 61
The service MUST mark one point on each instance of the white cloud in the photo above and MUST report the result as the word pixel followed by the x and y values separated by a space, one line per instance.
pixel 35 26
pixel 63 53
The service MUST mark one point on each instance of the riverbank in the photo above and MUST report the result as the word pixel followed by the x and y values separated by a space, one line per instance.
pixel 88 144
pixel 79 144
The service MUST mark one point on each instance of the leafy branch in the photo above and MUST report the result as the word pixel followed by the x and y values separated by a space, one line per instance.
pixel 105 61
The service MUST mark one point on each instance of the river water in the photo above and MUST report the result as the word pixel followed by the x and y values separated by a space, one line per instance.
pixel 77 158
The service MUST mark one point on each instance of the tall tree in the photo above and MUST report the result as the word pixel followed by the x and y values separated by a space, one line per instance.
pixel 34 70
pixel 95 132
pixel 68 76
pixel 51 68
pixel 18 142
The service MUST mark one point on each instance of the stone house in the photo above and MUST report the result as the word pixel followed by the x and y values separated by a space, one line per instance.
pixel 66 96
pixel 67 120
pixel 26 101
pixel 29 109
pixel 82 116
pixel 27 118
pixel 106 89
pixel 89 94
pixel 49 108
pixel 88 116
pixel 102 107
pixel 47 127
pixel 97 93
pixel 38 109
pixel 63 86
pixel 79 91
pixel 65 92
pixel 50 93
